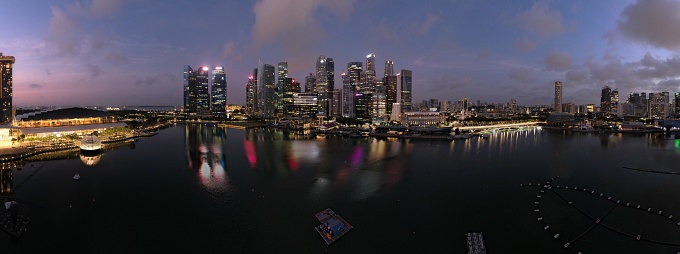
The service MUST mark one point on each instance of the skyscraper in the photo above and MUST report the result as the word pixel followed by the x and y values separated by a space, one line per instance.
pixel 558 97
pixel 677 103
pixel 609 101
pixel 330 87
pixel 6 63
pixel 310 82
pixel 406 90
pixel 389 68
pixel 218 91
pixel 266 87
pixel 390 92
pixel 351 86
pixel 322 85
pixel 281 78
pixel 368 77
pixel 251 94
pixel 196 92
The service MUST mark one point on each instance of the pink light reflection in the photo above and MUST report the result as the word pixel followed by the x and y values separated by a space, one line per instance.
pixel 250 153
pixel 357 156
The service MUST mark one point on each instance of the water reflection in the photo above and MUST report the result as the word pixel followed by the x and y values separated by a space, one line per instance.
pixel 90 160
pixel 204 146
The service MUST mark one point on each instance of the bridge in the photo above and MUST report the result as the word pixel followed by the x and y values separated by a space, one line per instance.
pixel 499 126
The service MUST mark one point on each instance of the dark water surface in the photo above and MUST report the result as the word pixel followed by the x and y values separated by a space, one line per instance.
pixel 203 189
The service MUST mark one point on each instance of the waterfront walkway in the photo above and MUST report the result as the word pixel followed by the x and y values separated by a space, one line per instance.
pixel 498 126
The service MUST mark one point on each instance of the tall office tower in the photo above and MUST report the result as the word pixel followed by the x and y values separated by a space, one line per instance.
pixel 203 90
pixel 281 77
pixel 251 94
pixel 406 90
pixel 347 97
pixel 390 92
pixel 558 97
pixel 396 106
pixel 189 80
pixel 677 103
pixel 330 78
pixel 605 100
pixel 368 77
pixel 266 87
pixel 290 87
pixel 615 102
pixel 6 63
pixel 363 106
pixel 310 82
pixel 370 62
pixel 465 104
pixel 336 103
pixel 196 93
pixel 218 91
pixel 389 68
pixel 324 73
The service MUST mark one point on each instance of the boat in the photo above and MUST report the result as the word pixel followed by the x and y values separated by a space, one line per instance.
pixel 76 177
pixel 9 204
pixel 332 226
pixel 90 142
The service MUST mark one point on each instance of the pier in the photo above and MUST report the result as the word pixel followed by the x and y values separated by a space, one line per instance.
pixel 332 226
pixel 596 221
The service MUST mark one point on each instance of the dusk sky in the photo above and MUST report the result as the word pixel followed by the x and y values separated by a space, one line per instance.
pixel 132 52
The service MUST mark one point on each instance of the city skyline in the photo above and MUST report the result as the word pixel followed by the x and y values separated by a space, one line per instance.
pixel 129 52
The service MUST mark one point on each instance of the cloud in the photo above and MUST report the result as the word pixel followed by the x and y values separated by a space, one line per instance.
pixel 521 74
pixel 93 70
pixel 117 57
pixel 48 72
pixel 653 22
pixel 557 61
pixel 526 45
pixel 293 22
pixel 541 21
pixel 64 34
pixel 35 86
pixel 105 7
pixel 228 49
pixel 425 27
pixel 576 76
pixel 155 80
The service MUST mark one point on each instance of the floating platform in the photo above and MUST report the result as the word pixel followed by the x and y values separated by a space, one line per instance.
pixel 475 243
pixel 15 227
pixel 326 216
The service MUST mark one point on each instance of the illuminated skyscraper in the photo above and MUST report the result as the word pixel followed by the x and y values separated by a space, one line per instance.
pixel 310 82
pixel 558 97
pixel 351 86
pixel 406 90
pixel 6 63
pixel 324 83
pixel 266 88
pixel 609 101
pixel 677 103
pixel 196 92
pixel 281 77
pixel 368 77
pixel 330 87
pixel 251 94
pixel 389 68
pixel 218 91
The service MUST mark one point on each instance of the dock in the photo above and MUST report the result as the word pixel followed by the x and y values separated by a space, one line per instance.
pixel 328 216
pixel 475 243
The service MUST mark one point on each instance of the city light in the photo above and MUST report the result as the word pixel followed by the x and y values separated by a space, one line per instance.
pixel 205 68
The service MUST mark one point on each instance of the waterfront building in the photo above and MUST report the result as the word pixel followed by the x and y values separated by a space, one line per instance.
pixel 196 91
pixel 330 86
pixel 406 90
pixel 351 86
pixel 659 108
pixel 558 96
pixel 290 87
pixel 6 112
pixel 218 91
pixel 321 85
pixel 66 121
pixel 266 86
pixel 305 105
pixel 423 118
pixel 251 94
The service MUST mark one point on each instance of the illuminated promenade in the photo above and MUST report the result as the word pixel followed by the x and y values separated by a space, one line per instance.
pixel 500 126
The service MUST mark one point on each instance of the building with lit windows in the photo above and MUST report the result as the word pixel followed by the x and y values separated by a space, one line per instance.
pixel 558 97
pixel 423 118
pixel 251 94
pixel 266 88
pixel 218 91
pixel 406 90
pixel 196 91
pixel 6 112
pixel 305 105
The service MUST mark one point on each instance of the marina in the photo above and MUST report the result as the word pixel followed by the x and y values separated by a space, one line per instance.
pixel 332 226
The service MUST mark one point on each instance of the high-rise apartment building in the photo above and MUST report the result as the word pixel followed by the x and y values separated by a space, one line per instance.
pixel 406 90
pixel 266 88
pixel 218 91
pixel 558 97
pixel 6 62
